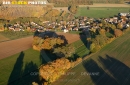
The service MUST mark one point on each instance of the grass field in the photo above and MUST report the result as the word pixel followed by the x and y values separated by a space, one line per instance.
pixel 3 38
pixel 101 12
pixel 21 68
pixel 81 48
pixel 15 35
pixel 109 66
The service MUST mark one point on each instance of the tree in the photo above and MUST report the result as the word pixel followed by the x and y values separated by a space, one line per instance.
pixel 113 26
pixel 50 43
pixel 118 32
pixel 47 43
pixel 102 32
pixel 119 26
pixel 64 51
pixel 53 70
pixel 94 48
pixel 73 8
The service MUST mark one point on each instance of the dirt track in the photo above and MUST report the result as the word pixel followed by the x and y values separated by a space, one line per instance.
pixel 12 47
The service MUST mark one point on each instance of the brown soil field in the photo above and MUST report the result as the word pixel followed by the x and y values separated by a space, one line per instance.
pixel 70 37
pixel 12 47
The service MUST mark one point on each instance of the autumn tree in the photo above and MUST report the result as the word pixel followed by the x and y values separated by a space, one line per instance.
pixel 94 48
pixel 98 42
pixel 112 26
pixel 47 43
pixel 53 70
pixel 1 26
pixel 64 51
pixel 50 43
pixel 51 14
pixel 73 8
pixel 102 32
pixel 118 32
pixel 119 26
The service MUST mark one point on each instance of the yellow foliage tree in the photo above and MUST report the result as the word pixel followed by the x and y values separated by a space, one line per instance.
pixel 53 70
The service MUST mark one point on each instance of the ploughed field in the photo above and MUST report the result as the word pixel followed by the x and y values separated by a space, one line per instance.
pixel 109 66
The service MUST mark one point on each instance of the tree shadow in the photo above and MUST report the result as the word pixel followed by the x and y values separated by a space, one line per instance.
pixel 29 74
pixel 73 58
pixel 17 70
pixel 114 72
pixel 118 70
pixel 97 74
pixel 83 37
pixel 23 75
pixel 47 56
pixel 42 59
pixel 63 38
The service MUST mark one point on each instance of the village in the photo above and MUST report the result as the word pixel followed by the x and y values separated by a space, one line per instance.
pixel 79 24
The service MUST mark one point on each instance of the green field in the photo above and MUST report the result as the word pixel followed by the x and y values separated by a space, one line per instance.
pixel 19 69
pixel 109 66
pixel 81 48
pixel 101 12
pixel 15 35
pixel 3 38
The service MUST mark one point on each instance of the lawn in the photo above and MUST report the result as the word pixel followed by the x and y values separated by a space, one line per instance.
pixel 101 12
pixel 3 38
pixel 15 35
pixel 109 66
pixel 21 68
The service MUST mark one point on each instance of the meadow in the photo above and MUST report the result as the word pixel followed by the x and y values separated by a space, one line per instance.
pixel 3 38
pixel 109 66
pixel 18 69
pixel 101 12
pixel 16 35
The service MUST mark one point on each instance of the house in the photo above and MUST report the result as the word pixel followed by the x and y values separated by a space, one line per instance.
pixel 123 14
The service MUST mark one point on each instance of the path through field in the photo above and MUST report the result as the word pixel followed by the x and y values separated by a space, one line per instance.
pixel 12 47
